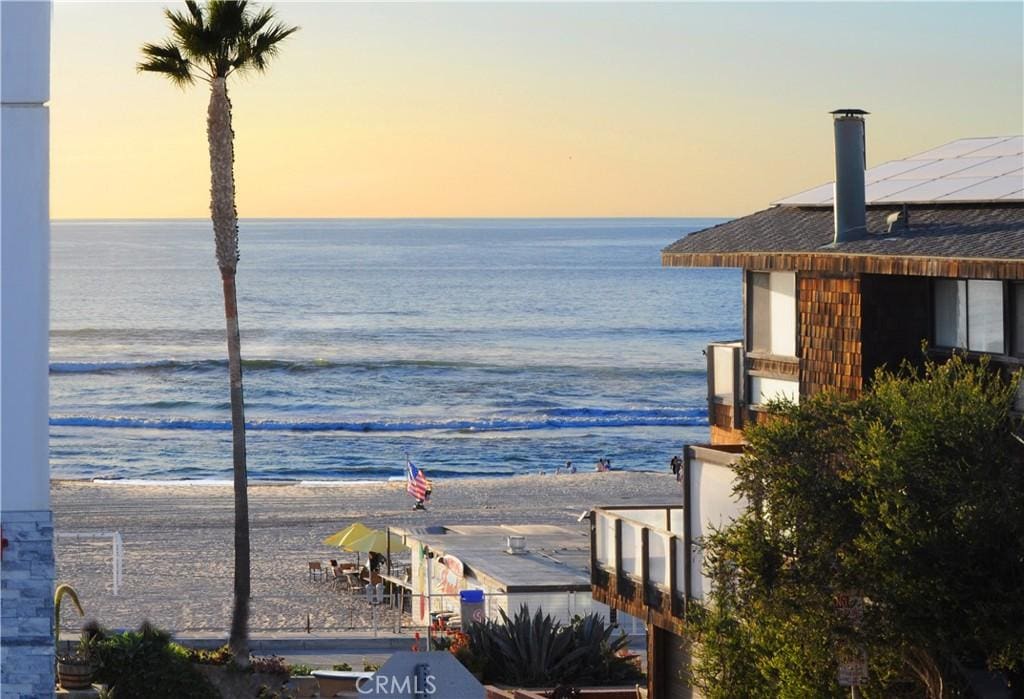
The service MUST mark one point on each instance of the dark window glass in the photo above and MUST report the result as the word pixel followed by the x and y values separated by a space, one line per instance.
pixel 760 312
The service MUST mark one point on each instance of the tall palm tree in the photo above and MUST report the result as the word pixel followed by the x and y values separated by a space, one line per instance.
pixel 210 43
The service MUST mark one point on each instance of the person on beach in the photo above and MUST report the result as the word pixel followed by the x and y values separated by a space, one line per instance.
pixel 677 467
pixel 569 468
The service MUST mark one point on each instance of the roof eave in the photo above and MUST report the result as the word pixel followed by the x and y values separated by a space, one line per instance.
pixel 836 262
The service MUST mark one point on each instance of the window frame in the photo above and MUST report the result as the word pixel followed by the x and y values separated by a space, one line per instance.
pixel 1009 344
pixel 749 313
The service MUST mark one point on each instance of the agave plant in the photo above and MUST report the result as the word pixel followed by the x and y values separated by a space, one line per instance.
pixel 604 662
pixel 536 650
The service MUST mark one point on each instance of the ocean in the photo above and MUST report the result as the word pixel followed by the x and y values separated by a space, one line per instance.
pixel 477 347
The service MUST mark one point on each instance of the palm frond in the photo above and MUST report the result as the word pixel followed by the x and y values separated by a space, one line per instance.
pixel 167 60
pixel 227 19
pixel 194 37
pixel 214 40
pixel 257 22
pixel 196 11
pixel 260 48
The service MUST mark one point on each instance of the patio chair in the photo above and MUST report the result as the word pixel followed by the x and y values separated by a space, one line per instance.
pixel 353 581
pixel 316 571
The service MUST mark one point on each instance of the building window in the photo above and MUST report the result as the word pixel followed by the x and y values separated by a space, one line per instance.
pixel 969 314
pixel 771 303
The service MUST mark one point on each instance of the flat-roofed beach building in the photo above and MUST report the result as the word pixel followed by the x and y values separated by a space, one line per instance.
pixel 837 281
pixel 543 566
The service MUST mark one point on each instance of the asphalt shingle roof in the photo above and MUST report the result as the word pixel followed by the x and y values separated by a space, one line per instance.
pixel 987 231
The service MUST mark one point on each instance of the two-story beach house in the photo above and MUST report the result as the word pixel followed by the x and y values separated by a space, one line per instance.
pixel 837 281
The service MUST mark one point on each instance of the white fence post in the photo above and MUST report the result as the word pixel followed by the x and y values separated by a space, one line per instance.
pixel 117 550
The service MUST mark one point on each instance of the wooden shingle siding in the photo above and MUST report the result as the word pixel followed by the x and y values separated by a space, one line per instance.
pixel 829 310
pixel 723 430
pixel 834 263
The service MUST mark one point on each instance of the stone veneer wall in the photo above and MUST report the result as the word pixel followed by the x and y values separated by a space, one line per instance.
pixel 26 606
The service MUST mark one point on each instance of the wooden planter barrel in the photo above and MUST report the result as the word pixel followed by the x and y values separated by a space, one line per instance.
pixel 75 674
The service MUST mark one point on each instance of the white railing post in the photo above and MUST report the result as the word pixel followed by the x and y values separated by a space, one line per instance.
pixel 118 562
pixel 117 552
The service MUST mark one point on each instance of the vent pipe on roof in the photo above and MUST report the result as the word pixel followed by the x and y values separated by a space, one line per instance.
pixel 851 159
pixel 516 544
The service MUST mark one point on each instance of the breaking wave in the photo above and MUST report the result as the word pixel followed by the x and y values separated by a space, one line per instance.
pixel 313 365
pixel 561 418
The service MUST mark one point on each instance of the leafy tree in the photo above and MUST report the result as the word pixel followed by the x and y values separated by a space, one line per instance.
pixel 911 497
pixel 211 43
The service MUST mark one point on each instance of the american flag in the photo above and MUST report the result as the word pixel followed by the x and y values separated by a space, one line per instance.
pixel 418 486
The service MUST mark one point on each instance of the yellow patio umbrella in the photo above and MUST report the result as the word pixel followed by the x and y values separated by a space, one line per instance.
pixel 377 542
pixel 350 533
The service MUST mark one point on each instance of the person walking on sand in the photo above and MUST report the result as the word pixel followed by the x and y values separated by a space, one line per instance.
pixel 677 467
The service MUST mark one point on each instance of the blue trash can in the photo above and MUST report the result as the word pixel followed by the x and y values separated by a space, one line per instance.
pixel 471 607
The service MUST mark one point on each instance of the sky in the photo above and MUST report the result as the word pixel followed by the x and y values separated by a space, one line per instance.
pixel 526 109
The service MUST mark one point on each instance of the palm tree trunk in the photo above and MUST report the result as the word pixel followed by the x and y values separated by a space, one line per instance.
pixel 239 639
pixel 225 229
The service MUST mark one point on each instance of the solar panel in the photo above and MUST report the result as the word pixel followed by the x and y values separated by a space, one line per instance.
pixel 992 167
pixel 884 188
pixel 988 189
pixel 933 190
pixel 935 169
pixel 818 195
pixel 891 169
pixel 1014 145
pixel 967 170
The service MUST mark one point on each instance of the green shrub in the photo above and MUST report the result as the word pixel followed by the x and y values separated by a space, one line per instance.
pixel 342 667
pixel 145 663
pixel 300 669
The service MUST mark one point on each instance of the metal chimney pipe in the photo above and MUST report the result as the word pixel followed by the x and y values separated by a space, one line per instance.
pixel 851 159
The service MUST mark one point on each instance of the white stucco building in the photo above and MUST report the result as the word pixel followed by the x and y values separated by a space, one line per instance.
pixel 27 570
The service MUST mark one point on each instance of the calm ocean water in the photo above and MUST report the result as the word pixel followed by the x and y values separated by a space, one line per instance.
pixel 480 347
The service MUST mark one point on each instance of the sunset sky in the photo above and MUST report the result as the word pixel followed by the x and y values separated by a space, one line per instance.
pixel 394 110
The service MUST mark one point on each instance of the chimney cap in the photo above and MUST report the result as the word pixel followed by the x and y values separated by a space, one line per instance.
pixel 848 112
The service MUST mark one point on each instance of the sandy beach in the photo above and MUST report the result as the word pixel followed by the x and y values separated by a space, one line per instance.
pixel 178 541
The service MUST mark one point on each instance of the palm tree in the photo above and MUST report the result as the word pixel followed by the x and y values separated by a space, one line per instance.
pixel 210 43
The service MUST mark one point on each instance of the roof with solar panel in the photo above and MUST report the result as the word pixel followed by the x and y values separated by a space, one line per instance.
pixel 965 171
pixel 963 200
